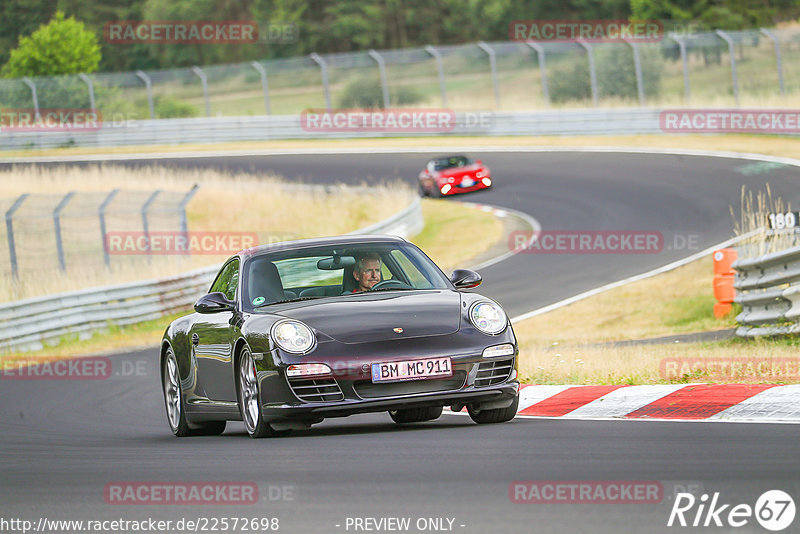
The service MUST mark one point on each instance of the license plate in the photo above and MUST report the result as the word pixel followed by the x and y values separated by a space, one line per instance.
pixel 412 370
pixel 467 182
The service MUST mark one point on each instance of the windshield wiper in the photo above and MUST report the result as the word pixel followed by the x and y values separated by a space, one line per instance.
pixel 287 300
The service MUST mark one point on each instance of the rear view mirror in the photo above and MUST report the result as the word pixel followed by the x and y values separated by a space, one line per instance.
pixel 213 303
pixel 465 279
pixel 335 262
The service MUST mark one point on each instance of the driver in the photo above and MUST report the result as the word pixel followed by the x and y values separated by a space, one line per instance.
pixel 367 271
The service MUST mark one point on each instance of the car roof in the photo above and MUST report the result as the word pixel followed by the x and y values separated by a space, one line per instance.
pixel 448 157
pixel 300 244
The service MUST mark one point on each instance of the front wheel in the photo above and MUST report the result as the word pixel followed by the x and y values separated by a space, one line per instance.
pixel 416 415
pixel 497 415
pixel 173 400
pixel 249 399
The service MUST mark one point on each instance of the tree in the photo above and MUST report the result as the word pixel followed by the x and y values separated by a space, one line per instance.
pixel 63 46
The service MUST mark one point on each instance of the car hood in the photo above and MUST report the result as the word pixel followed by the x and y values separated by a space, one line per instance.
pixel 460 172
pixel 371 317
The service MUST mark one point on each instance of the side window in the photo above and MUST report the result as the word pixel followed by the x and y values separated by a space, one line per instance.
pixel 227 280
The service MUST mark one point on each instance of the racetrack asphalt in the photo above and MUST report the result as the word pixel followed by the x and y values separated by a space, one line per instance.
pixel 64 441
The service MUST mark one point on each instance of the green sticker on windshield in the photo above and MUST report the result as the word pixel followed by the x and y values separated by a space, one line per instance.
pixel 258 301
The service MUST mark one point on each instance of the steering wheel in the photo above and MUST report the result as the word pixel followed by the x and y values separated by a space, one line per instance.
pixel 391 283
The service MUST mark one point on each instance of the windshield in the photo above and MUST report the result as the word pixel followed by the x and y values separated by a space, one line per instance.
pixel 451 162
pixel 337 271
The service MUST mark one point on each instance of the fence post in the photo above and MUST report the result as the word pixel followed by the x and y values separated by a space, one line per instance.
pixel 685 62
pixel 102 213
pixel 90 85
pixel 637 65
pixel 384 81
pixel 323 67
pixel 778 60
pixel 145 207
pixel 732 52
pixel 543 69
pixel 440 68
pixel 592 70
pixel 149 85
pixel 57 228
pixel 204 80
pixel 12 250
pixel 27 81
pixel 264 86
pixel 493 65
pixel 182 206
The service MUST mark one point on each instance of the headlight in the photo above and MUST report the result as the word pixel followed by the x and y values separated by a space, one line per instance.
pixel 488 317
pixel 292 336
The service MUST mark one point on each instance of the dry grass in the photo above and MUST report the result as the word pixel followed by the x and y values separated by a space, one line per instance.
pixel 761 144
pixel 571 345
pixel 455 233
pixel 759 361
pixel 755 211
pixel 566 345
pixel 243 203
pixel 679 301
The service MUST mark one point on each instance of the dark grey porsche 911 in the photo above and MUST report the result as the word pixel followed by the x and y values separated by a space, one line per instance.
pixel 295 332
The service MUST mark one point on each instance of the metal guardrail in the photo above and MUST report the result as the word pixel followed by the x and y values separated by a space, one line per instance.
pixel 231 129
pixel 27 324
pixel 768 289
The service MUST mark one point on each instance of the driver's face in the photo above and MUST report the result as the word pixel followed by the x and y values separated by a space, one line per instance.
pixel 368 275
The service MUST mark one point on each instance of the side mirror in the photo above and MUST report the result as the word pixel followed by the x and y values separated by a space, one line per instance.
pixel 213 303
pixel 465 279
pixel 479 162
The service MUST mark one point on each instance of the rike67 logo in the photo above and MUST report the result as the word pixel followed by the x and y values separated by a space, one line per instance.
pixel 774 510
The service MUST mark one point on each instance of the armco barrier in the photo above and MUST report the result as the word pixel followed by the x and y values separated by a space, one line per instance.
pixel 230 129
pixel 27 324
pixel 768 289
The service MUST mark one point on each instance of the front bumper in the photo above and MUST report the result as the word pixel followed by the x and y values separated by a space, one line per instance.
pixel 477 186
pixel 316 411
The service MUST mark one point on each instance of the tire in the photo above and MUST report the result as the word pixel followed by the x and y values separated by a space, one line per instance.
pixel 421 190
pixel 175 406
pixel 435 191
pixel 498 415
pixel 416 415
pixel 250 399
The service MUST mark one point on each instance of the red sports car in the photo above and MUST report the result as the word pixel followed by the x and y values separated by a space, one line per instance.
pixel 453 174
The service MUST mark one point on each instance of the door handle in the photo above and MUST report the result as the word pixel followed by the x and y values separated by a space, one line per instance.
pixel 195 339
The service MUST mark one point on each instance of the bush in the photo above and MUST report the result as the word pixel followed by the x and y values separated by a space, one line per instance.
pixel 616 75
pixel 169 108
pixel 63 46
pixel 366 93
